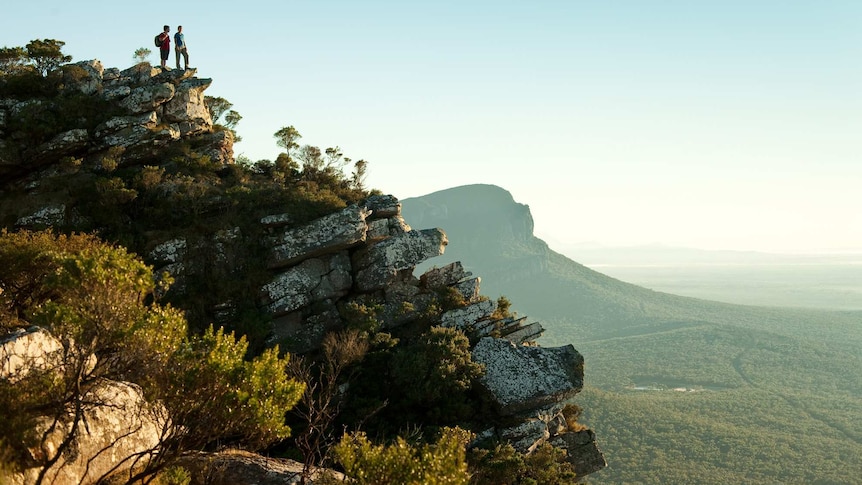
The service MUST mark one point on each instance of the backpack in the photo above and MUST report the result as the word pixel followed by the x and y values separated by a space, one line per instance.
pixel 158 42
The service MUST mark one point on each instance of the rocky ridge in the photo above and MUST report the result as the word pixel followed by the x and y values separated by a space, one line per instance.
pixel 365 253
pixel 151 109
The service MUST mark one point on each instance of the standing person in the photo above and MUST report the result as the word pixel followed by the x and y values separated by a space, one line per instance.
pixel 180 47
pixel 165 47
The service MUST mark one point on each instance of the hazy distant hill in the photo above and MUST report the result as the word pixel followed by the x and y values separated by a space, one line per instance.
pixel 493 235
pixel 680 390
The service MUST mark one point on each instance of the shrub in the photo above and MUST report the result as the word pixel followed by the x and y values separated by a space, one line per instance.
pixel 503 465
pixel 404 464
pixel 96 299
pixel 434 375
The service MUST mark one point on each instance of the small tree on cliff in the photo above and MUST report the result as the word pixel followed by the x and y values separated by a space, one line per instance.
pixel 47 54
pixel 287 138
pixel 142 54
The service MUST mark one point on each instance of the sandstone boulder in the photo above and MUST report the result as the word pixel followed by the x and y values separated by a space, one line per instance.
pixel 388 261
pixel 89 84
pixel 26 350
pixel 383 206
pixel 337 231
pixel 520 378
pixel 240 467
pixel 314 279
pixel 64 143
pixel 465 318
pixel 448 275
pixel 187 107
pixel 51 215
pixel 583 451
pixel 146 98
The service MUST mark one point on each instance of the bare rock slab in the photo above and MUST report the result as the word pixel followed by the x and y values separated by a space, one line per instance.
pixel 328 234
pixel 521 378
pixel 382 264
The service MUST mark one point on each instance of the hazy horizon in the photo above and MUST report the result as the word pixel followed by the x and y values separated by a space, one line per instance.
pixel 730 125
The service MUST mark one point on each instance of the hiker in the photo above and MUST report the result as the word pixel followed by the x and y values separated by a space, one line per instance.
pixel 165 47
pixel 180 48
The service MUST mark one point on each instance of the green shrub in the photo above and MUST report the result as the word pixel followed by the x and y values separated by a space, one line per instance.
pixel 503 465
pixel 404 464
pixel 434 374
pixel 96 299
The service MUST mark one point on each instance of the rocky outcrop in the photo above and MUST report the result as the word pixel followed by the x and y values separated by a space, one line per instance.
pixel 110 438
pixel 116 427
pixel 314 279
pixel 522 378
pixel 334 232
pixel 27 350
pixel 151 108
pixel 583 451
pixel 238 467
pixel 311 278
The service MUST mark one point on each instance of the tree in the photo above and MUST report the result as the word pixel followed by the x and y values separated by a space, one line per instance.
pixel 12 60
pixel 435 372
pixel 287 137
pixel 142 54
pixel 47 54
pixel 323 397
pixel 359 174
pixel 217 106
pixel 401 463
pixel 230 121
pixel 311 158
pixel 334 158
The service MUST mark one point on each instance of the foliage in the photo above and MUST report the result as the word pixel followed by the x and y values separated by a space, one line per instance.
pixel 217 106
pixel 220 107
pixel 12 60
pixel 323 397
pixel 46 54
pixel 361 316
pixel 572 412
pixel 214 394
pixel 173 475
pixel 287 137
pixel 39 56
pixel 401 463
pixel 434 374
pixel 95 298
pixel 142 54
pixel 503 465
pixel 90 296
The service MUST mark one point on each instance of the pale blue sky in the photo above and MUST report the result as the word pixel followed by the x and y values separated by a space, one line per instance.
pixel 711 124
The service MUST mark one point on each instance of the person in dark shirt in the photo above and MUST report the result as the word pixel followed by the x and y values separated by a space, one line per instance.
pixel 165 47
pixel 180 47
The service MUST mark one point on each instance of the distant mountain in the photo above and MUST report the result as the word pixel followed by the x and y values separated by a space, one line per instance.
pixel 681 390
pixel 492 235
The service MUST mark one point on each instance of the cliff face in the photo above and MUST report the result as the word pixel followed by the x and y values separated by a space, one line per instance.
pixel 364 254
pixel 143 110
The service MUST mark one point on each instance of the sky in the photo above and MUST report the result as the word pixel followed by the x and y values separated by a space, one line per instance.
pixel 706 124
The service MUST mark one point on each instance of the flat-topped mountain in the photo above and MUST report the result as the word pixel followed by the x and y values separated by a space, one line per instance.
pixel 681 390
pixel 493 235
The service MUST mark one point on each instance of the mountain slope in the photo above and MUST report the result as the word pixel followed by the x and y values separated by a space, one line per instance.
pixel 681 390
pixel 492 235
